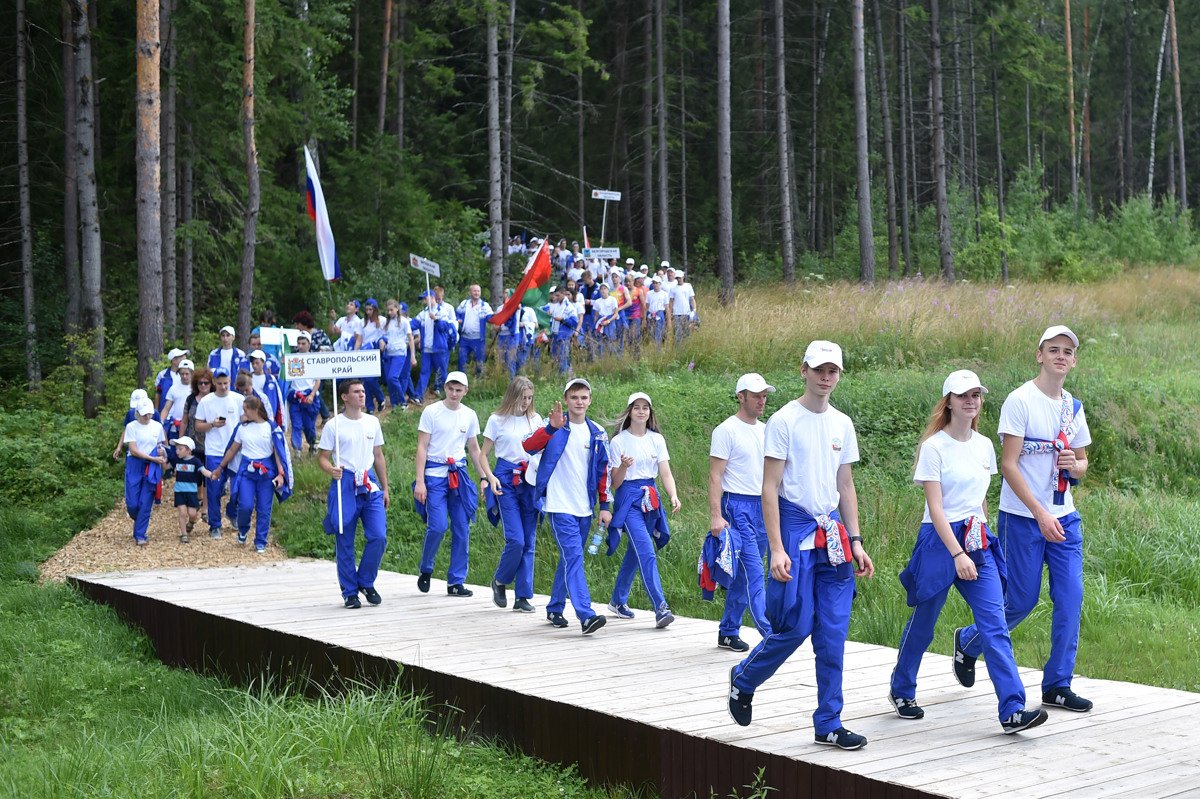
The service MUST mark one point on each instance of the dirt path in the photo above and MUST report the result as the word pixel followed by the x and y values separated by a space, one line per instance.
pixel 109 546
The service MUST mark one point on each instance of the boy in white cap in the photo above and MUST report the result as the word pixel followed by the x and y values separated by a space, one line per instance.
pixel 168 377
pixel 735 474
pixel 656 304
pixel 227 356
pixel 811 512
pixel 447 433
pixel 683 305
pixel 1043 436
pixel 188 471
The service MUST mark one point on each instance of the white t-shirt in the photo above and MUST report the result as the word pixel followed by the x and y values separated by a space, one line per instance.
pixel 177 396
pixel 356 441
pixel 565 310
pixel 648 452
pixel 145 436
pixel 656 301
pixel 507 433
pixel 398 330
pixel 347 327
pixel 1028 413
pixel 255 438
pixel 472 323
pixel 681 299
pixel 567 490
pixel 964 469
pixel 212 408
pixel 814 446
pixel 448 432
pixel 740 445
pixel 604 307
pixel 225 361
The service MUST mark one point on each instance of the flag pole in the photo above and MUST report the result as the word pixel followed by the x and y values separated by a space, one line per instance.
pixel 337 456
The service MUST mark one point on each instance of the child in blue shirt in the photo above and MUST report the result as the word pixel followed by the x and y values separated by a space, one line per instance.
pixel 188 471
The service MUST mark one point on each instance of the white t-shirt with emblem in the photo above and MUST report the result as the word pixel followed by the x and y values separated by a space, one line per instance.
pixel 813 446
pixel 448 431
pixel 255 439
pixel 1029 414
pixel 356 441
pixel 648 452
pixel 507 433
pixel 567 491
pixel 963 468
pixel 740 445
pixel 212 408
pixel 177 396
pixel 145 436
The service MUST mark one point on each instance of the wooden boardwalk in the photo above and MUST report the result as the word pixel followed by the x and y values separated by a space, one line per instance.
pixel 647 707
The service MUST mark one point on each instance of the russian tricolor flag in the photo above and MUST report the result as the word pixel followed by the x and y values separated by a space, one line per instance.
pixel 319 214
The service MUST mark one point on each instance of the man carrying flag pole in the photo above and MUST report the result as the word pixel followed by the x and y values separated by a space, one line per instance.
pixel 532 291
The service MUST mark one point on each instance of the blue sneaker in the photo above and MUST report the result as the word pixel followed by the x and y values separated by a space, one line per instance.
pixel 621 611
pixel 842 738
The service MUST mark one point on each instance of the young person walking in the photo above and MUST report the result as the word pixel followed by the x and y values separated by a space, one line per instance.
pixel 348 328
pixel 355 439
pixel 373 337
pixel 444 489
pixel 564 320
pixel 811 512
pixel 189 470
pixel 227 356
pixel 400 355
pixel 438 333
pixel 1043 436
pixel 265 469
pixel 735 474
pixel 640 452
pixel 505 431
pixel 473 314
pixel 216 416
pixel 954 548
pixel 144 464
pixel 571 478
pixel 303 393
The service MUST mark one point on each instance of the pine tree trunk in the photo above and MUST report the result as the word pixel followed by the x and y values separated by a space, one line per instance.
pixel 724 167
pixel 664 207
pixel 402 69
pixel 384 52
pixel 945 251
pixel 999 161
pixel 89 213
pixel 580 184
pixel 648 249
pixel 149 208
pixel 188 212
pixel 496 257
pixel 93 24
pixel 253 200
pixel 866 230
pixel 510 53
pixel 70 184
pixel 959 105
pixel 168 217
pixel 1183 198
pixel 905 140
pixel 1162 52
pixel 889 163
pixel 683 184
pixel 782 133
pixel 33 368
pixel 1125 156
pixel 1067 36
pixel 819 45
pixel 355 58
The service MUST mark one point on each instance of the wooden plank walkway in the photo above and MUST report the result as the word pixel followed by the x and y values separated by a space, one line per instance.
pixel 645 706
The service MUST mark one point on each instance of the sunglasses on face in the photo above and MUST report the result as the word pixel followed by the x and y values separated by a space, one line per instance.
pixel 203 383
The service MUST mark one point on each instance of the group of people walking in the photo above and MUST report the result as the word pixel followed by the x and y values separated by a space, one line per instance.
pixel 784 535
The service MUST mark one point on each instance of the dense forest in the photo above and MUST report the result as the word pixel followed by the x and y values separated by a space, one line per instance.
pixel 154 171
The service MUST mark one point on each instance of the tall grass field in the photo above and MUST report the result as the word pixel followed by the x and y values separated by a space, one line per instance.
pixel 85 709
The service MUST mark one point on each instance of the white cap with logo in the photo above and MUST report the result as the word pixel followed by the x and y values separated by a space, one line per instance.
pixel 576 381
pixel 186 364
pixel 185 441
pixel 961 382
pixel 175 353
pixel 457 377
pixel 259 354
pixel 136 396
pixel 754 383
pixel 629 261
pixel 639 395
pixel 144 406
pixel 1058 330
pixel 229 329
pixel 821 352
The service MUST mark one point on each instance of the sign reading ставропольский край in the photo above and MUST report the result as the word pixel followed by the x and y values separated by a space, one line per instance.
pixel 331 365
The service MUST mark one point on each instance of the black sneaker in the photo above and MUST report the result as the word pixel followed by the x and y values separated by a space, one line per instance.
pixel 732 642
pixel 191 525
pixel 458 589
pixel 1023 720
pixel 964 664
pixel 522 606
pixel 498 594
pixel 1066 699
pixel 242 538
pixel 556 620
pixel 663 616
pixel 621 611
pixel 842 738
pixel 372 595
pixel 740 709
pixel 352 602
pixel 423 582
pixel 906 708
pixel 594 623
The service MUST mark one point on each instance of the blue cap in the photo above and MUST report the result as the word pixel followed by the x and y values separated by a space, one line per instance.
pixel 425 294
pixel 357 304
pixel 404 307
pixel 220 371
pixel 371 302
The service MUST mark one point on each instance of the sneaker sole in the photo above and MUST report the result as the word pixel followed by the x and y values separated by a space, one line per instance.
pixel 664 622
pixel 596 625
pixel 1037 721
pixel 839 746
pixel 733 648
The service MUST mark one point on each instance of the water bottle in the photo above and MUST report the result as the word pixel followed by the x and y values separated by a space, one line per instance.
pixel 597 539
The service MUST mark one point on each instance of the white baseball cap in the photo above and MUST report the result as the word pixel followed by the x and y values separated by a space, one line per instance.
pixel 144 406
pixel 629 261
pixel 185 441
pixel 639 395
pixel 136 396
pixel 576 381
pixel 262 356
pixel 821 352
pixel 304 334
pixel 456 377
pixel 643 269
pixel 961 382
pixel 679 273
pixel 665 264
pixel 228 329
pixel 754 383
pixel 656 279
pixel 175 353
pixel 186 364
pixel 1058 330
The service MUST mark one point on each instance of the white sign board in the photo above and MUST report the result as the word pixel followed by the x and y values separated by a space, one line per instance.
pixel 431 268
pixel 603 253
pixel 604 194
pixel 274 336
pixel 335 365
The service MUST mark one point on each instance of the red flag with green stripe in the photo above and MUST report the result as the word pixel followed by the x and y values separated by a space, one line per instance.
pixel 533 290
